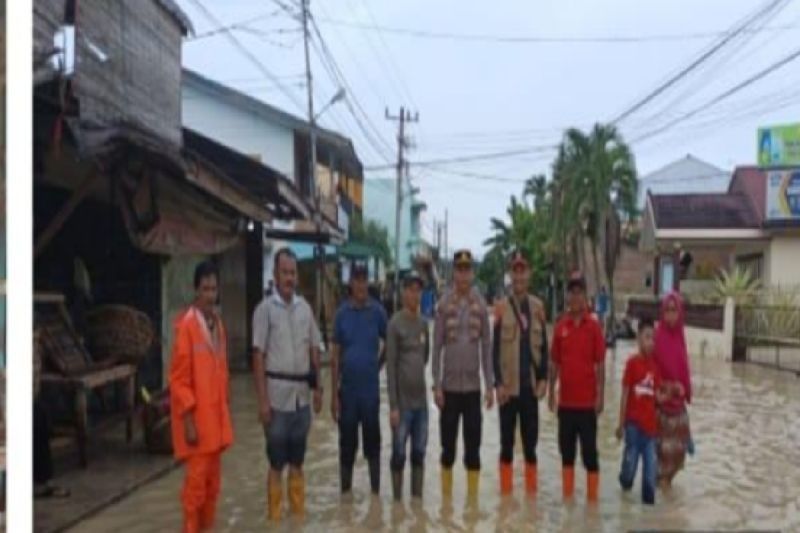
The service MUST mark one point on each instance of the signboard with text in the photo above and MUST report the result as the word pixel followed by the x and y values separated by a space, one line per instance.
pixel 783 194
pixel 779 146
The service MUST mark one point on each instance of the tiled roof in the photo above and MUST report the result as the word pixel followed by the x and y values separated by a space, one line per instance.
pixel 704 211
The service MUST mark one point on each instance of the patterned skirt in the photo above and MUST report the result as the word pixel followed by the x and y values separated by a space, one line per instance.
pixel 673 438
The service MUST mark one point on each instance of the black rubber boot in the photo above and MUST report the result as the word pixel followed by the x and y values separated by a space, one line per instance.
pixel 397 484
pixel 417 476
pixel 374 475
pixel 346 478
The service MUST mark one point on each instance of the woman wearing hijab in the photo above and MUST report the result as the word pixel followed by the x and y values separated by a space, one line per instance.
pixel 672 359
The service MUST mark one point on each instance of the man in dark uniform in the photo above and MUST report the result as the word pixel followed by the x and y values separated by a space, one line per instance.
pixel 359 327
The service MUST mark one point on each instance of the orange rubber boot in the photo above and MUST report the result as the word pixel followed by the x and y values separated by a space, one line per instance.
pixel 506 478
pixel 592 486
pixel 531 478
pixel 567 481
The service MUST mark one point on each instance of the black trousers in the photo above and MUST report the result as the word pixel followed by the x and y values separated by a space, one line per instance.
pixel 524 407
pixel 574 425
pixel 42 460
pixel 458 405
pixel 358 411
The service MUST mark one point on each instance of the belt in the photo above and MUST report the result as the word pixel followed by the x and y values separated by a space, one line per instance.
pixel 309 377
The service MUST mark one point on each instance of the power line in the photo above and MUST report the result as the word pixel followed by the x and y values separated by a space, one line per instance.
pixel 729 36
pixel 522 39
pixel 248 54
pixel 733 90
pixel 374 137
pixel 338 80
pixel 327 51
pixel 472 157
pixel 235 26
pixel 708 75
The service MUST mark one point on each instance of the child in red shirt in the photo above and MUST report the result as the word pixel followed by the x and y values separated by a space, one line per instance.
pixel 641 390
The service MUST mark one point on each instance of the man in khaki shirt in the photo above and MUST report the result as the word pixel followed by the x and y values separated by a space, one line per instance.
pixel 285 369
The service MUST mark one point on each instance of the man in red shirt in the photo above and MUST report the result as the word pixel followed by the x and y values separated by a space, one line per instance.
pixel 577 362
pixel 641 390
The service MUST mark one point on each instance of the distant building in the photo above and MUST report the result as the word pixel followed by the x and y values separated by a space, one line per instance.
pixel 691 237
pixel 635 274
pixel 280 140
pixel 687 174
pixel 380 206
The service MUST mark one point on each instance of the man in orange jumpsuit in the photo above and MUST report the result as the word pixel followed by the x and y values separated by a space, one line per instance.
pixel 198 381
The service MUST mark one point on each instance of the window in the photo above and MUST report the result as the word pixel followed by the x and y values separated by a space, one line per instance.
pixel 754 263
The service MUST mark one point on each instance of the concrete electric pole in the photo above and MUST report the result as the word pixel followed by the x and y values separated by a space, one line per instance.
pixel 402 143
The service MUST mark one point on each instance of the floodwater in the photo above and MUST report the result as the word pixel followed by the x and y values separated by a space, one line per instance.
pixel 746 472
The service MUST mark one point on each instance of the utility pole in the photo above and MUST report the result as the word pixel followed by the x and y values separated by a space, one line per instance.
pixel 402 118
pixel 313 189
pixel 446 251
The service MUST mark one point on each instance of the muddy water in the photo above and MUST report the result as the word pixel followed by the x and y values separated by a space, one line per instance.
pixel 746 422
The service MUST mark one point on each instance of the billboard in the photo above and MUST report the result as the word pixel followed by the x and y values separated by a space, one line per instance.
pixel 783 194
pixel 779 146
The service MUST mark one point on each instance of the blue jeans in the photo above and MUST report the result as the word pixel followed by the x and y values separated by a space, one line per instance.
pixel 287 433
pixel 414 425
pixel 639 444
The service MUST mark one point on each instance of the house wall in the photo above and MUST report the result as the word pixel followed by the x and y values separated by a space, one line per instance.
pixel 177 293
pixel 380 205
pixel 783 264
pixel 233 302
pixel 142 48
pixel 269 143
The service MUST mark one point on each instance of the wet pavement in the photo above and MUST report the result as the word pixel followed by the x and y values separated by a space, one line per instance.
pixel 746 473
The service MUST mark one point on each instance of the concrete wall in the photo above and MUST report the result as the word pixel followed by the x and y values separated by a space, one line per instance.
pixel 233 303
pixel 713 344
pixel 633 267
pixel 272 144
pixel 784 260
pixel 177 293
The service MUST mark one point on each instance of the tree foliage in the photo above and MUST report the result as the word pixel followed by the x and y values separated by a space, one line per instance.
pixel 374 235
pixel 593 179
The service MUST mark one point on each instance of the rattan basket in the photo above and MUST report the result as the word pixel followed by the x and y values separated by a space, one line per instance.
pixel 120 333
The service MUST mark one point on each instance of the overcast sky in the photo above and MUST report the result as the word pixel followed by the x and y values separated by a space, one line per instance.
pixel 485 96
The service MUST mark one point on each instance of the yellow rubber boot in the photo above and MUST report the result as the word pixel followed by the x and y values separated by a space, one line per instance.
pixel 447 482
pixel 297 493
pixel 274 496
pixel 473 478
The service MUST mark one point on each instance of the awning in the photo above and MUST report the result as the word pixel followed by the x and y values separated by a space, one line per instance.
pixel 269 186
pixel 169 206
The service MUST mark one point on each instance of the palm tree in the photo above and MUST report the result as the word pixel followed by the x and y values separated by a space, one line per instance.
pixel 602 173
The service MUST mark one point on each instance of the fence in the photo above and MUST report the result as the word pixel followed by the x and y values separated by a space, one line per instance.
pixel 708 328
pixel 705 316
pixel 768 335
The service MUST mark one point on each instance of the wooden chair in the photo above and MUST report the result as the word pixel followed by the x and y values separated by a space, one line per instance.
pixel 68 366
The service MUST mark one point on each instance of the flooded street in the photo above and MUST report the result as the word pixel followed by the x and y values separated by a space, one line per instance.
pixel 746 472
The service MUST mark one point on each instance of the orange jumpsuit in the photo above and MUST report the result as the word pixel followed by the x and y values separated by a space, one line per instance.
pixel 198 382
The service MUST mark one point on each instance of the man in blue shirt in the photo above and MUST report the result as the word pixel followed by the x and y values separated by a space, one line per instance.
pixel 359 329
